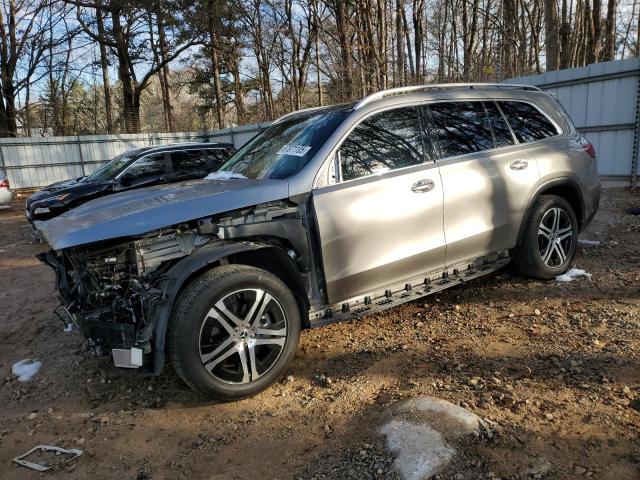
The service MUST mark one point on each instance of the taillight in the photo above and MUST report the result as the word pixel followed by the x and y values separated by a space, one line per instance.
pixel 4 183
pixel 590 150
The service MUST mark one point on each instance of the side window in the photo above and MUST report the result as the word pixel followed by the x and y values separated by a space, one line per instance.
pixel 148 166
pixel 459 128
pixel 188 161
pixel 527 122
pixel 385 141
pixel 501 132
pixel 216 157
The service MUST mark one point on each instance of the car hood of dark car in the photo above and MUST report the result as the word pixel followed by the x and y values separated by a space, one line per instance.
pixel 136 212
pixel 75 187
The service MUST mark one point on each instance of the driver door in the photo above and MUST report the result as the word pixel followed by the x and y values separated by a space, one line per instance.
pixel 382 222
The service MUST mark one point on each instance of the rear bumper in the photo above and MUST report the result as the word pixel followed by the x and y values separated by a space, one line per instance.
pixel 591 205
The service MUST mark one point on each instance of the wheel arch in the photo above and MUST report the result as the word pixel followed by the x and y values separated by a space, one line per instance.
pixel 258 254
pixel 567 188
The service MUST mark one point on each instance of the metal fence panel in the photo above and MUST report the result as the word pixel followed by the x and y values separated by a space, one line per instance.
pixel 39 161
pixel 603 100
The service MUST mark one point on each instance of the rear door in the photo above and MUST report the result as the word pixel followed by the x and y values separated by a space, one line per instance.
pixel 381 223
pixel 487 177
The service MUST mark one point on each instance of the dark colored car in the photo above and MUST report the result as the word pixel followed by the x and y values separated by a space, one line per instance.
pixel 140 167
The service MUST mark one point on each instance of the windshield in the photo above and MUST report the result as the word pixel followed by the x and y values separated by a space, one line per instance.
pixel 109 170
pixel 286 146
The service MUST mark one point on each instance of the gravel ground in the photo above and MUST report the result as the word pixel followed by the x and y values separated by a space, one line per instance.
pixel 553 368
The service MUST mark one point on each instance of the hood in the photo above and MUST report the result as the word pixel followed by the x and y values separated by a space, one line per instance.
pixel 65 186
pixel 136 212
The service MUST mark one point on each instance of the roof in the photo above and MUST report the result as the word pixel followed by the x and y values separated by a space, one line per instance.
pixel 178 146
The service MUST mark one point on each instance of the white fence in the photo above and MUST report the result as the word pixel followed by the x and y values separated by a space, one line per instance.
pixel 603 99
pixel 39 161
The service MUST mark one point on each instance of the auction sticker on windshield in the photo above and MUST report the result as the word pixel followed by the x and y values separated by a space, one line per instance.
pixel 295 150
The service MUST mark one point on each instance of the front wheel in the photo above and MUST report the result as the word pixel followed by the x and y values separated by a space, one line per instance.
pixel 233 331
pixel 550 239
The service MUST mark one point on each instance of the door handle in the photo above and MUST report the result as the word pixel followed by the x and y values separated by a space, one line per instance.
pixel 519 164
pixel 423 186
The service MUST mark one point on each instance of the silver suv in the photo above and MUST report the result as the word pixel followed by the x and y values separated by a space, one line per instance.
pixel 328 214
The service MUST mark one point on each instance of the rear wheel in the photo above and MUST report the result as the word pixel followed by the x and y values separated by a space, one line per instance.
pixel 233 331
pixel 550 239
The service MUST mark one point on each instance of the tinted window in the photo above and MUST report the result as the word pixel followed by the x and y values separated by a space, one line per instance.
pixel 459 128
pixel 527 122
pixel 148 166
pixel 382 142
pixel 216 157
pixel 501 132
pixel 189 161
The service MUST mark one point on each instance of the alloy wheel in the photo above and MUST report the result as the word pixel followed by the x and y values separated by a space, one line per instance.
pixel 242 336
pixel 555 237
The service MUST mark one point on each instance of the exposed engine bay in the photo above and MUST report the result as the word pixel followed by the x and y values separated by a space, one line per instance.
pixel 107 292
pixel 108 289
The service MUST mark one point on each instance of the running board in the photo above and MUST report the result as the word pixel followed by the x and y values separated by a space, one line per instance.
pixel 414 289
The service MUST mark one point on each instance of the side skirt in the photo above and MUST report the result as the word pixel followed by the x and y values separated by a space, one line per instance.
pixel 413 289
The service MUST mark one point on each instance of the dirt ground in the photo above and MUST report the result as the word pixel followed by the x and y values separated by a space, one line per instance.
pixel 554 368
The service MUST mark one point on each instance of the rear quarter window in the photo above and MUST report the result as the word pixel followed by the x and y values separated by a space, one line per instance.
pixel 527 122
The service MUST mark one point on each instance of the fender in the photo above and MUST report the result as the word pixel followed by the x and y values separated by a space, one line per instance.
pixel 546 185
pixel 173 280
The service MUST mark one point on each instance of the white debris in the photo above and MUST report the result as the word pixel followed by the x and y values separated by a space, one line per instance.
pixel 26 369
pixel 588 243
pixel 420 451
pixel 572 275
pixel 442 415
pixel 419 433
pixel 223 175
pixel 69 327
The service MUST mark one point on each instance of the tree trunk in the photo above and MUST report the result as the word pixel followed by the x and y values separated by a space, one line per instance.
pixel 104 64
pixel 509 38
pixel 552 43
pixel 609 51
pixel 130 106
pixel 166 75
pixel 342 24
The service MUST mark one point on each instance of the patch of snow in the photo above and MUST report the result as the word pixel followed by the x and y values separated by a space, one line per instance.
pixel 447 417
pixel 419 432
pixel 572 275
pixel 588 243
pixel 223 175
pixel 420 451
pixel 26 369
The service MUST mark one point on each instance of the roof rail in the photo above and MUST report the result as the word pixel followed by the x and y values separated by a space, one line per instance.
pixel 439 86
pixel 296 112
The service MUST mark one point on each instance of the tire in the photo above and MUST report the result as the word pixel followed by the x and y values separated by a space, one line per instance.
pixel 242 322
pixel 547 248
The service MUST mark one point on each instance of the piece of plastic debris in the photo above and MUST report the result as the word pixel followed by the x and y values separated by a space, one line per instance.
pixel 26 369
pixel 588 243
pixel 572 275
pixel 633 210
pixel 223 175
pixel 46 457
pixel 69 327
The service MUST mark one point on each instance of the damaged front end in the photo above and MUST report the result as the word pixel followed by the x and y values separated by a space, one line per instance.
pixel 108 290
